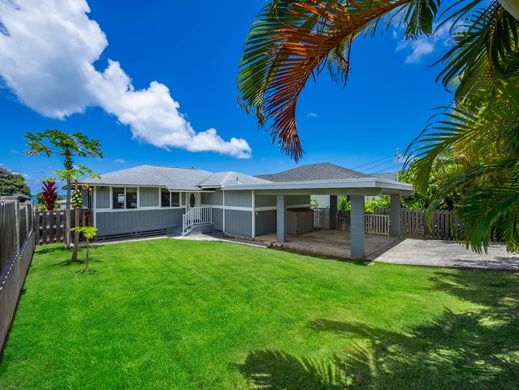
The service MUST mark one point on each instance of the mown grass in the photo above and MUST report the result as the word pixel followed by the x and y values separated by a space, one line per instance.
pixel 209 315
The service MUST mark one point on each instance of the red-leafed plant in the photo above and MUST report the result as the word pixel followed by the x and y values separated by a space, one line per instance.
pixel 49 194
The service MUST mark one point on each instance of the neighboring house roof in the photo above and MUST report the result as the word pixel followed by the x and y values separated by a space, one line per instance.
pixel 173 178
pixel 386 175
pixel 312 172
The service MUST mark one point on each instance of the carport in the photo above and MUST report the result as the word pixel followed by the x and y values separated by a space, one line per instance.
pixel 356 188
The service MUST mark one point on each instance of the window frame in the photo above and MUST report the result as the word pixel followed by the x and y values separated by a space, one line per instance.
pixel 125 198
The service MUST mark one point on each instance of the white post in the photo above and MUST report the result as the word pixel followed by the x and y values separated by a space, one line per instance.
pixel 253 227
pixel 281 218
pixel 394 228
pixel 357 226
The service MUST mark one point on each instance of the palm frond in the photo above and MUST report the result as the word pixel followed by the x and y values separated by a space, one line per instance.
pixel 292 40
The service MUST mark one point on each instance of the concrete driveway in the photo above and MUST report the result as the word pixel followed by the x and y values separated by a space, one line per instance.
pixel 436 253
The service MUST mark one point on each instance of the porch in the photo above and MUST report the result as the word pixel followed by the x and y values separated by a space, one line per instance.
pixel 333 243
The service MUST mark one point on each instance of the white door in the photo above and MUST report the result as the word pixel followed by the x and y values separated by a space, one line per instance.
pixel 192 200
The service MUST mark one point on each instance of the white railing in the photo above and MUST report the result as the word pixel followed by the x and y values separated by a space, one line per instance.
pixel 376 224
pixel 196 216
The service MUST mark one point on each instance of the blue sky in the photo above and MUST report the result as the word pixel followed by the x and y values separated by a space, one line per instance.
pixel 193 49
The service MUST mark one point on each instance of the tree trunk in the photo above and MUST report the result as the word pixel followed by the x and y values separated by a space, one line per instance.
pixel 87 254
pixel 68 166
pixel 67 217
pixel 76 234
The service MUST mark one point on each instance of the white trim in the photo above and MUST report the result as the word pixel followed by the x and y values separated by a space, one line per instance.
pixel 139 209
pixel 223 211
pixel 294 206
pixel 253 215
pixel 237 208
pixel 94 210
pixel 356 183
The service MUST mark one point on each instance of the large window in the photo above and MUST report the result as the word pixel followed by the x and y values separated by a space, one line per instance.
pixel 131 197
pixel 165 200
pixel 175 199
pixel 118 197
pixel 124 198
pixel 169 199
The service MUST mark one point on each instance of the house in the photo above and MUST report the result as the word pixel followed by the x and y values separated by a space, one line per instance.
pixel 150 199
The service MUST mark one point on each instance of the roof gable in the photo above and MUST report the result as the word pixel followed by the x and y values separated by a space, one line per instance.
pixel 313 172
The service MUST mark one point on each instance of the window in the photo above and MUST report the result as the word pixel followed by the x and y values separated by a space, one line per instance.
pixel 131 198
pixel 175 199
pixel 165 200
pixel 118 197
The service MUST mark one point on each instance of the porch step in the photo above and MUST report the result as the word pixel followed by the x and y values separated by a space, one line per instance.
pixel 199 229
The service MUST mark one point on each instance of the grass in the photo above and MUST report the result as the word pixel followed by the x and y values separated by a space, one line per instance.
pixel 209 315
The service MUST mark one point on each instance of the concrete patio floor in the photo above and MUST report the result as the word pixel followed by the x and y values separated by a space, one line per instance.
pixel 436 253
pixel 334 243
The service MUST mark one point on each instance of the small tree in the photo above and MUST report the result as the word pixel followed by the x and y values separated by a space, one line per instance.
pixel 67 146
pixel 49 195
pixel 12 183
pixel 89 232
pixel 74 175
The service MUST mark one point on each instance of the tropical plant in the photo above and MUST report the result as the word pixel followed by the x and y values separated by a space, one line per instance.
pixel 68 147
pixel 89 232
pixel 49 194
pixel 12 183
pixel 292 40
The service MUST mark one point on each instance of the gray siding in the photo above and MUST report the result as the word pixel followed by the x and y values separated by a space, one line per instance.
pixel 149 196
pixel 270 200
pixel 298 199
pixel 212 198
pixel 218 219
pixel 137 221
pixel 102 197
pixel 265 200
pixel 238 222
pixel 238 198
pixel 265 222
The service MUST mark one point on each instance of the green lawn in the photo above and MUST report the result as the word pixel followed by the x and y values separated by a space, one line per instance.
pixel 209 315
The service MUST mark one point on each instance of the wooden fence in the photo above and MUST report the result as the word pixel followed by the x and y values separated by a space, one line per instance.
pixel 17 242
pixel 373 223
pixel 413 223
pixel 51 224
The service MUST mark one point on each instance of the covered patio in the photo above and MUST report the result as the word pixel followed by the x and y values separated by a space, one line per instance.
pixel 333 243
pixel 353 244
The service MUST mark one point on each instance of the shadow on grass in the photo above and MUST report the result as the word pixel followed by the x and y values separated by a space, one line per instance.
pixel 468 350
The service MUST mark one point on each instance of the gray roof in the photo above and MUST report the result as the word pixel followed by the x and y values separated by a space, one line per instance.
pixel 312 172
pixel 151 175
pixel 221 179
pixel 173 178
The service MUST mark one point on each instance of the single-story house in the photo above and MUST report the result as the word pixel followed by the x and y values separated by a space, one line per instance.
pixel 148 199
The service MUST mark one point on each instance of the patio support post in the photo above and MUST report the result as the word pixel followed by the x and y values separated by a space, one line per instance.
pixel 281 218
pixel 333 212
pixel 394 227
pixel 357 226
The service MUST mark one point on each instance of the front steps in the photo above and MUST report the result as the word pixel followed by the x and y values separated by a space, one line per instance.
pixel 199 229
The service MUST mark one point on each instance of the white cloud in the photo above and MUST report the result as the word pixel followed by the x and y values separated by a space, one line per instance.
pixel 47 52
pixel 312 115
pixel 421 47
pixel 119 161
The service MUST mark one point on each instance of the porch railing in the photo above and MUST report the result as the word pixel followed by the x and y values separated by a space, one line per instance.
pixel 196 216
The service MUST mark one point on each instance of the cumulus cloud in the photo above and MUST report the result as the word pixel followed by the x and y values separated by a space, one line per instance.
pixel 421 47
pixel 47 55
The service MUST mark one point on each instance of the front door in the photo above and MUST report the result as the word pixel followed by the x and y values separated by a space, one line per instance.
pixel 192 200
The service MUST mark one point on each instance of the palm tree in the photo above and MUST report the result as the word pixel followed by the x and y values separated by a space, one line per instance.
pixel 292 41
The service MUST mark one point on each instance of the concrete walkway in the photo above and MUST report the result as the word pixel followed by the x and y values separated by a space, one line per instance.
pixel 436 253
